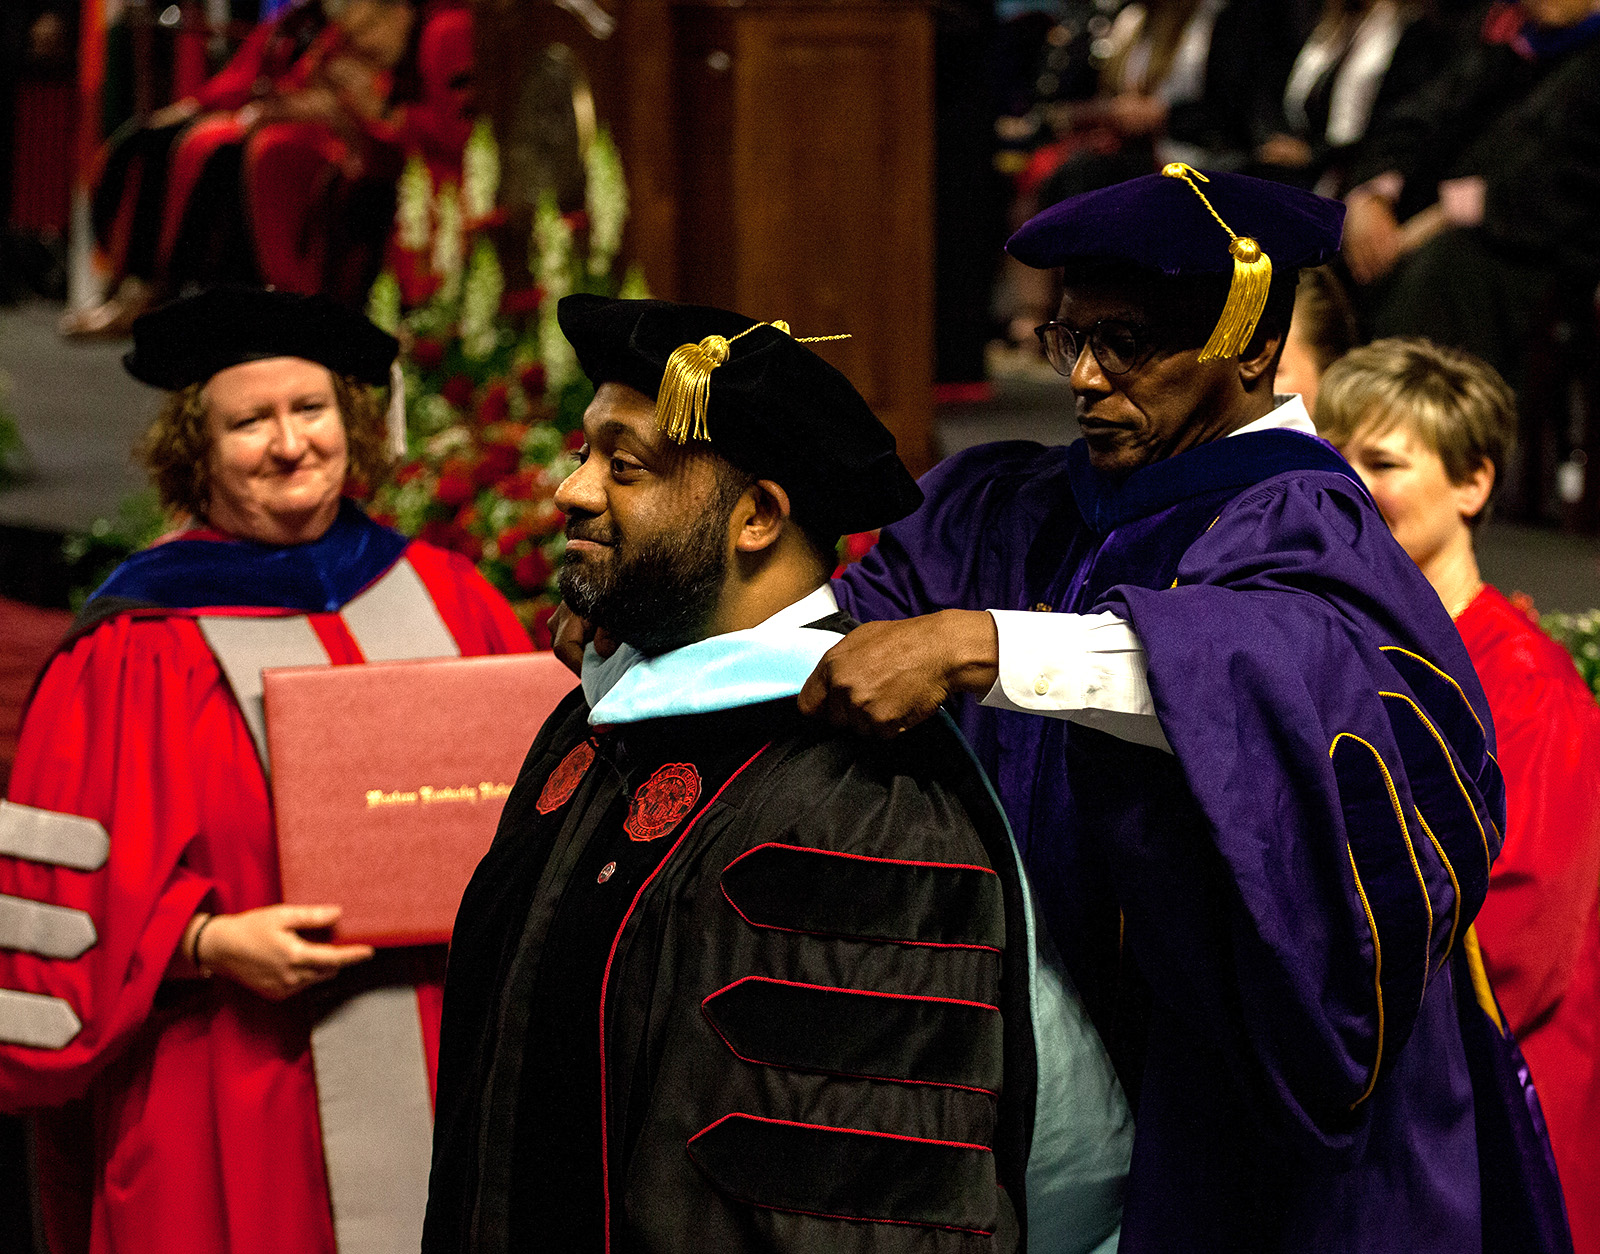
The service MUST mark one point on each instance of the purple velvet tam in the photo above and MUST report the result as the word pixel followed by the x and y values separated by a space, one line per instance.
pixel 1157 223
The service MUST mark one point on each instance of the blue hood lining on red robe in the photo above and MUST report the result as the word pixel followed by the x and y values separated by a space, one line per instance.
pixel 320 577
pixel 1236 462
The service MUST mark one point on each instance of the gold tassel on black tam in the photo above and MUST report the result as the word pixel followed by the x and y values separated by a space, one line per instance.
pixel 1252 278
pixel 686 383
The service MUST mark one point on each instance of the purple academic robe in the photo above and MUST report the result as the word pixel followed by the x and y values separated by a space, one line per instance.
pixel 1269 925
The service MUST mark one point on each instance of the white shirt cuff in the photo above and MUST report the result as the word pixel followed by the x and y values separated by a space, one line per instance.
pixel 1090 668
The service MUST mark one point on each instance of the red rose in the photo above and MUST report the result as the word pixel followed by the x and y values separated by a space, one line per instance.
pixel 547 520
pixel 859 545
pixel 452 536
pixel 455 484
pixel 574 440
pixel 525 300
pixel 409 471
pixel 577 220
pixel 428 354
pixel 518 487
pixel 498 461
pixel 496 403
pixel 542 638
pixel 533 570
pixel 513 536
pixel 532 378
pixel 458 389
pixel 418 282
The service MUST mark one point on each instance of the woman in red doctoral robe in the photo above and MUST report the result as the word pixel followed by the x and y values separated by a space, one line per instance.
pixel 1429 430
pixel 270 1108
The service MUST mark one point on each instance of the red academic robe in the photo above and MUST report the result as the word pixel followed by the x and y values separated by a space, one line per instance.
pixel 1540 926
pixel 190 1123
pixel 296 173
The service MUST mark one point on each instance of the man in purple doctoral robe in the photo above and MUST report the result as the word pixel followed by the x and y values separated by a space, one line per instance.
pixel 1243 749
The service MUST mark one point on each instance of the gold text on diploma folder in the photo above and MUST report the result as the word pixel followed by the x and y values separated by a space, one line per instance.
pixel 378 798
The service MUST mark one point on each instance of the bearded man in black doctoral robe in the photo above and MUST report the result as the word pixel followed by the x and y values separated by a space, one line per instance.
pixel 729 980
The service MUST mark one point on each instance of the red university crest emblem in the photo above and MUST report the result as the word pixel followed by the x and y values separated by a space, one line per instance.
pixel 564 780
pixel 661 801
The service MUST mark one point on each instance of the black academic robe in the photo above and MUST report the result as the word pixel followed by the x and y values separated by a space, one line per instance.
pixel 1529 127
pixel 732 981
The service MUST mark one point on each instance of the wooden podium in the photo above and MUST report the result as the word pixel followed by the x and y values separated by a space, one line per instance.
pixel 779 156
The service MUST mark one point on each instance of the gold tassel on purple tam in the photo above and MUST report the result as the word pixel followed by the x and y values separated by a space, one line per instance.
pixel 1252 279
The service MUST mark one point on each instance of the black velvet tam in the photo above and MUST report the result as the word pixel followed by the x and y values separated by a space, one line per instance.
pixel 775 409
pixel 191 339
pixel 1157 223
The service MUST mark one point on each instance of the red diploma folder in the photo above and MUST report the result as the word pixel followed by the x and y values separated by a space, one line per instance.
pixel 388 780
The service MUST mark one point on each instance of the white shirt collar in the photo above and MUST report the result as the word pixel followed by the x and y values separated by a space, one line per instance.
pixel 814 605
pixel 1288 415
pixel 601 675
pixel 761 663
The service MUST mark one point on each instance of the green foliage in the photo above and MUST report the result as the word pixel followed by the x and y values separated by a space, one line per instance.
pixel 14 463
pixel 1579 634
pixel 494 395
pixel 95 553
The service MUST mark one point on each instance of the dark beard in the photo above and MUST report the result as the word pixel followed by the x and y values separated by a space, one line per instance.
pixel 662 595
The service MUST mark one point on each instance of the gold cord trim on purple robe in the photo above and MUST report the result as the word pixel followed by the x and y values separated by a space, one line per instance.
pixel 1481 987
pixel 1394 648
pixel 1366 905
pixel 1377 976
pixel 1405 831
pixel 1405 835
pixel 1487 752
pixel 1488 858
pixel 1455 887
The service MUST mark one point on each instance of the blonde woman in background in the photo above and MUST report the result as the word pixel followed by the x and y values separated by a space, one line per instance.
pixel 1429 430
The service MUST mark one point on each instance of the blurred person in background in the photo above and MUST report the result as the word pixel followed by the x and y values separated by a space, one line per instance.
pixel 1322 330
pixel 1363 57
pixel 281 169
pixel 38 39
pixel 129 202
pixel 155 1003
pixel 1478 197
pixel 1181 80
pixel 1429 430
pixel 318 193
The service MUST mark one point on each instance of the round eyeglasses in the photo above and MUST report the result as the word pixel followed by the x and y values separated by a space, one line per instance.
pixel 1118 346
